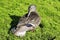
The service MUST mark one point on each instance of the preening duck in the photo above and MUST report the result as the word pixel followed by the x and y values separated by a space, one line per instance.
pixel 29 22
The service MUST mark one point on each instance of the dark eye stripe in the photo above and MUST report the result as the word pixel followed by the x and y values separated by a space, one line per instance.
pixel 28 25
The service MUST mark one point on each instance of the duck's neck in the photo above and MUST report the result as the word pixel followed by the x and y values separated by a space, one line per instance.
pixel 30 12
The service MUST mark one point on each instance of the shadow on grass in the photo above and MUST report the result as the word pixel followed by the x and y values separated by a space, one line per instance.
pixel 14 22
pixel 41 25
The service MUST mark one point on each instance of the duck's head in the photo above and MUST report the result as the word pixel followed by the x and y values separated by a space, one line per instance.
pixel 32 8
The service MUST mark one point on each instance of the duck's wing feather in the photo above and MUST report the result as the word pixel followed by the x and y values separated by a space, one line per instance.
pixel 34 19
pixel 23 20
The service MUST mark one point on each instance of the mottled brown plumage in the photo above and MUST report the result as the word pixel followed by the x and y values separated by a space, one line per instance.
pixel 29 22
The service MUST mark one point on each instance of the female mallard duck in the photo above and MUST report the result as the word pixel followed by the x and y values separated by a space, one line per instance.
pixel 29 22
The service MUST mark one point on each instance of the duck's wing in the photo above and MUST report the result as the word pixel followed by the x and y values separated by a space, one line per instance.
pixel 34 19
pixel 23 20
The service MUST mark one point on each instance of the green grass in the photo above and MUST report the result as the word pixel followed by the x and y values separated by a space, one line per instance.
pixel 49 10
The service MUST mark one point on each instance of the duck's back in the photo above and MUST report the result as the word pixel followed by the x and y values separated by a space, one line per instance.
pixel 34 18
pixel 33 15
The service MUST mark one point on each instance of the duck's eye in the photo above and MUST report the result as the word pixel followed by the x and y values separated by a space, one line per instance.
pixel 28 25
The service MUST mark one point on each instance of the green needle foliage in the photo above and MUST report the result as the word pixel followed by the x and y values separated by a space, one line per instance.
pixel 12 10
